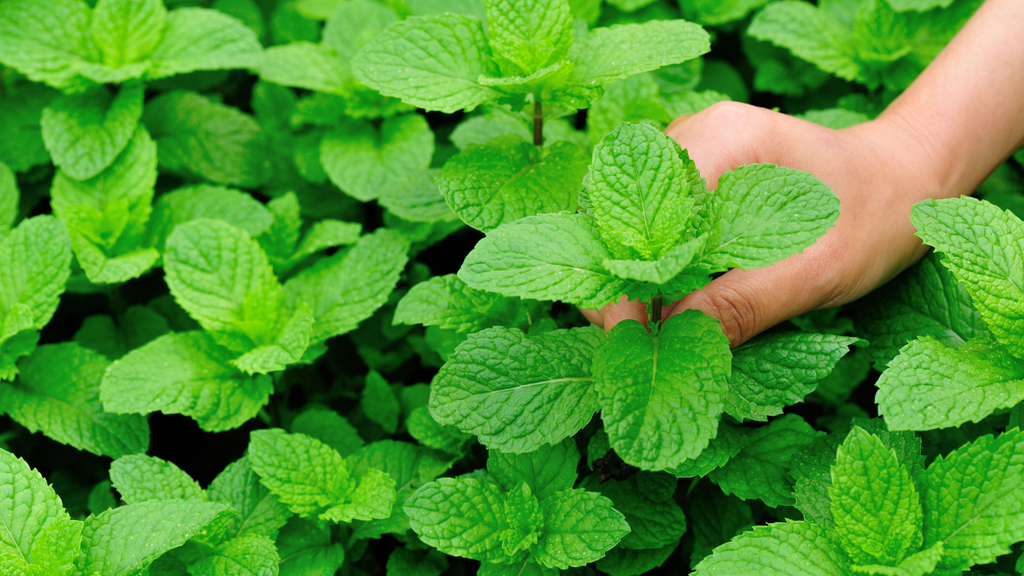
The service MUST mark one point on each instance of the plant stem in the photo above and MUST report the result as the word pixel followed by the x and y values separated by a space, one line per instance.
pixel 655 310
pixel 538 122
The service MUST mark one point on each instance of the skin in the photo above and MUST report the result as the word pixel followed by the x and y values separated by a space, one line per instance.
pixel 961 118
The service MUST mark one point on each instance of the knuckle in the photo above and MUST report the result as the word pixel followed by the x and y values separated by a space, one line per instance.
pixel 737 312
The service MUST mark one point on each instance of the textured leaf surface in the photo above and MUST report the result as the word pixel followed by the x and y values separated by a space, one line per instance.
pixel 529 35
pixel 447 302
pixel 260 513
pixel 8 197
pixel 237 208
pixel 28 507
pixel 141 478
pixel 47 44
pixel 809 33
pixel 579 528
pixel 516 393
pixel 244 556
pixel 460 516
pixel 615 52
pixel 548 470
pixel 305 548
pixel 200 39
pixel 35 261
pixel 127 31
pixel 783 549
pixel 661 395
pixel 306 65
pixel 305 474
pixel 652 524
pixel 415 197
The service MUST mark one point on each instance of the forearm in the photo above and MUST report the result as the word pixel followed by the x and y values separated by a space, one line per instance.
pixel 964 114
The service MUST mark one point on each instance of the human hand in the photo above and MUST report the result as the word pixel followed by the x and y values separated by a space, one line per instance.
pixel 878 170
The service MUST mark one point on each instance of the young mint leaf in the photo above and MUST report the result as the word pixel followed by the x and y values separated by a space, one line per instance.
pixel 462 517
pixel 379 403
pixel 283 242
pixel 784 548
pixel 628 100
pixel 142 478
pixel 192 202
pixel 775 370
pixel 544 257
pixel 432 62
pixel 974 501
pixel 984 249
pixel 881 34
pixel 306 65
pixel 759 470
pixel 579 528
pixel 330 428
pixel 508 178
pixel 85 132
pixel 875 504
pixel 415 197
pixel 350 286
pixel 48 43
pixel 58 391
pixel 547 470
pixel 661 395
pixel 528 35
pixel 727 443
pixel 447 302
pixel 8 197
pixel 127 31
pixel 524 520
pixel 762 213
pixel 125 540
pixel 917 564
pixel 305 548
pixel 201 138
pixel 960 385
pixel 201 39
pixel 616 52
pixel 260 513
pixel 432 434
pixel 361 160
pixel 517 393
pixel 101 498
pixel 354 24
pixel 926 300
pixel 498 122
pixel 660 271
pixel 652 524
pixel 244 556
pixel 811 34
pixel 185 373
pixel 637 192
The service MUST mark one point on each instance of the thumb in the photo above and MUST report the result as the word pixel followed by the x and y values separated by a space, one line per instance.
pixel 749 302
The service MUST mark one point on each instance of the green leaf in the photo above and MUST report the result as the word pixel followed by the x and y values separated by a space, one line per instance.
pixel 528 35
pixel 431 433
pixel 984 249
pixel 524 519
pixel 621 561
pixel 125 540
pixel 58 392
pixel 462 517
pixel 875 505
pixel 716 519
pixel 517 393
pixel 259 512
pixel 330 428
pixel 184 373
pixel 917 564
pixel 306 65
pixel 932 386
pixel 127 31
pixel 21 136
pixel 616 52
pixel 579 528
pixel 508 178
pixel 809 33
pixel 379 403
pixel 727 443
pixel 759 470
pixel 198 137
pixel 652 524
pixel 200 39
pixel 349 287
pixel 431 62
pixel 46 43
pixel 354 24
pixel 714 12
pixel 305 548
pixel 85 132
pixel 660 271
pixel 193 202
pixel 415 197
pixel 547 470
pixel 661 395
pixel 29 510
pixel 637 192
pixel 762 213
pixel 142 478
pixel 243 556
pixel 926 300
pixel 35 261
pixel 973 501
pixel 881 34
pixel 447 302
pixel 406 562
pixel 544 257
pixel 784 548
pixel 361 159
pixel 775 370
pixel 8 197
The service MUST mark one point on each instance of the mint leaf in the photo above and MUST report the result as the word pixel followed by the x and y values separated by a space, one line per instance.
pixel 509 178
pixel 462 517
pixel 447 302
pixel 8 197
pixel 305 548
pixel 544 257
pixel 660 271
pixel 652 524
pixel 193 202
pixel 354 24
pixel 811 34
pixel 926 300
pixel 984 249
pixel 184 373
pixel 759 470
pixel 431 62
pixel 972 501
pixel 525 522
pixel 201 138
pixel 632 99
pixel 615 52
pixel 775 370
pixel 627 562
pixel 517 393
pixel 361 160
pixel 244 556
pixel 579 528
pixel 85 132
pixel 379 403
pixel 125 540
pixel 29 510
pixel 330 428
pixel 636 191
pixel 127 31
pixel 960 385
pixel 547 470
pixel 58 391
pixel 875 504
pixel 661 395
pixel 350 286
pixel 200 39
pixel 431 433
pixel 259 513
pixel 716 519
pixel 306 65
pixel 528 35
pixel 406 562
pixel 727 443
pixel 145 478
pixel 790 548
pixel 46 43
pixel 763 213
pixel 415 197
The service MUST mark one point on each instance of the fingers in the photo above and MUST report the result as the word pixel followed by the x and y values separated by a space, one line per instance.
pixel 611 314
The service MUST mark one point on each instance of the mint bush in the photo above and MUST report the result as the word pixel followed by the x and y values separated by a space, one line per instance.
pixel 290 287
